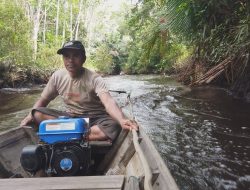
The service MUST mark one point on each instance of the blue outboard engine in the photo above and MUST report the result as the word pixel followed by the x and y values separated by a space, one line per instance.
pixel 63 149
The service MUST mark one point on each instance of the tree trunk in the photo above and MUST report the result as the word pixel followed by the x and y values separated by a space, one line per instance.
pixel 78 20
pixel 64 20
pixel 71 22
pixel 36 21
pixel 28 10
pixel 88 23
pixel 57 18
pixel 44 25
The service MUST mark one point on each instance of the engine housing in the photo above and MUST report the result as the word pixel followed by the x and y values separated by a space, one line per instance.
pixel 63 149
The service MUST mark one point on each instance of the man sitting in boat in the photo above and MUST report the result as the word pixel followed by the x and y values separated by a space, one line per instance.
pixel 84 93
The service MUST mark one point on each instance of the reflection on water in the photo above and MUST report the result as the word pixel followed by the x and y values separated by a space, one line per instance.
pixel 203 134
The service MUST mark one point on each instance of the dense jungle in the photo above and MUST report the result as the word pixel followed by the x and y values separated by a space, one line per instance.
pixel 199 42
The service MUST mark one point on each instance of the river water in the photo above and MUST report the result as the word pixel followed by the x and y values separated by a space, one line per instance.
pixel 203 134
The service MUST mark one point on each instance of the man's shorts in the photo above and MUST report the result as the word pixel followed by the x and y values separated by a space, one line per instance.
pixel 108 126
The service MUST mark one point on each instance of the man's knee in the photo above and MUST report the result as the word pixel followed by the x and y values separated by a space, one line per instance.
pixel 39 116
pixel 97 134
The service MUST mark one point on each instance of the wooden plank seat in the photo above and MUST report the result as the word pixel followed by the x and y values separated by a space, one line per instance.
pixel 114 182
pixel 100 143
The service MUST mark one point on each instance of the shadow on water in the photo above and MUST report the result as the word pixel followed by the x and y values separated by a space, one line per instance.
pixel 203 134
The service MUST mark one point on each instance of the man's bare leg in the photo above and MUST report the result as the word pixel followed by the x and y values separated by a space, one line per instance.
pixel 96 134
pixel 39 117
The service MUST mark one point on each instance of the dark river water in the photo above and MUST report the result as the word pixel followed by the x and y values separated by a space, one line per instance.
pixel 203 134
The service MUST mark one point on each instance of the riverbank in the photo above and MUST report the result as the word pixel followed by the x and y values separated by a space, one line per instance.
pixel 18 77
pixel 187 75
pixel 236 81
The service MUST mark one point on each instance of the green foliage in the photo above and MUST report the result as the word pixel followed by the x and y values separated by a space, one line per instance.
pixel 217 30
pixel 101 60
pixel 152 48
pixel 215 22
pixel 132 61
pixel 18 55
pixel 47 59
pixel 14 36
pixel 161 30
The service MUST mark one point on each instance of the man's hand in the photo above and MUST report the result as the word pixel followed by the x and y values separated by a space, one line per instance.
pixel 129 124
pixel 27 120
pixel 116 113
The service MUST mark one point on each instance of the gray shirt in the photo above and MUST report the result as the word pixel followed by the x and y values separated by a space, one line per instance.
pixel 80 95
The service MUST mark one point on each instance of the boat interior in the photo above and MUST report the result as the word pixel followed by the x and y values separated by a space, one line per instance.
pixel 131 162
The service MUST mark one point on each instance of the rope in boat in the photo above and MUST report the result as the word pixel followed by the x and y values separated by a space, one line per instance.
pixel 146 168
pixel 145 165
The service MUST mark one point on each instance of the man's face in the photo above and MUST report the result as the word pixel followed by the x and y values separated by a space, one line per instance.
pixel 73 60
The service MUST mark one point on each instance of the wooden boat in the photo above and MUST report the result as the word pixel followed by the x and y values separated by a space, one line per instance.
pixel 131 163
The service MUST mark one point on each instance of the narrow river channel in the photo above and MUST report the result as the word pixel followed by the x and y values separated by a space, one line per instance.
pixel 203 134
